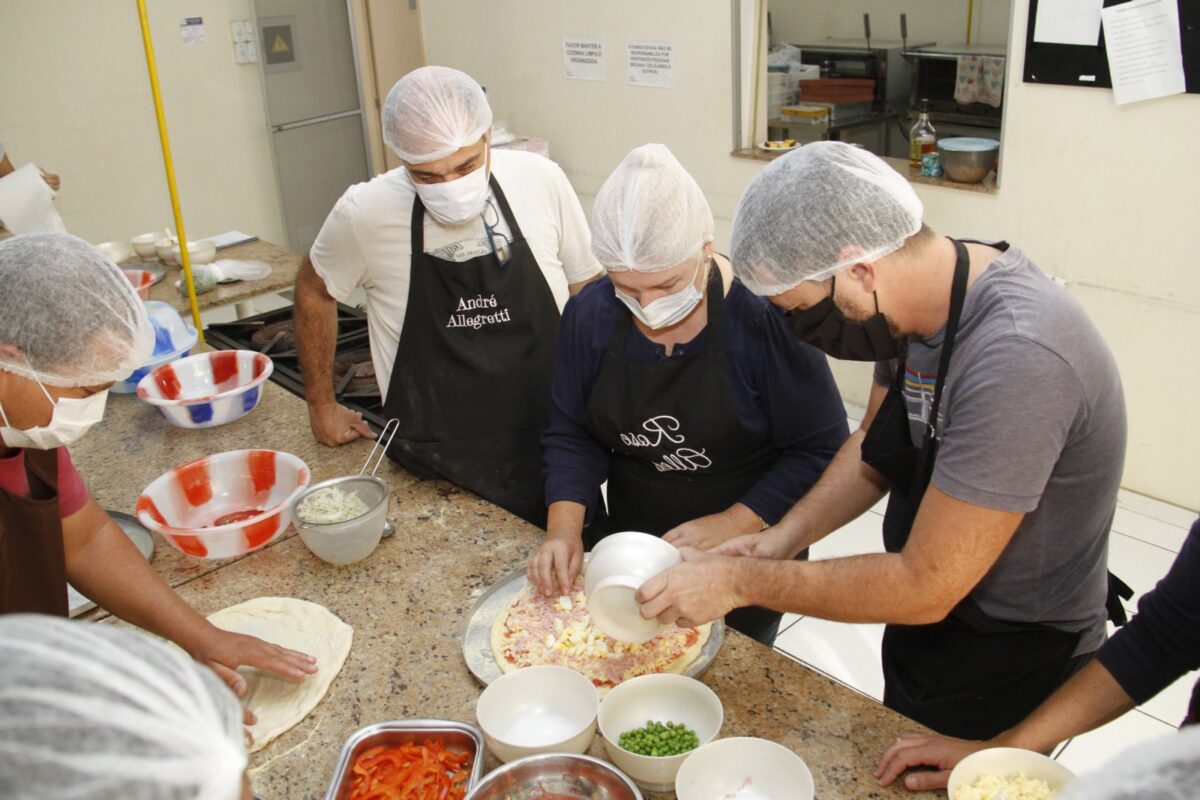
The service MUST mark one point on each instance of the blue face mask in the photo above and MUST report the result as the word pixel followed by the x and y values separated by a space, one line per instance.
pixel 670 309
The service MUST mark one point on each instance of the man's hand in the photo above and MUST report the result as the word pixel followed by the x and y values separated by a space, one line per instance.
pixel 705 533
pixel 771 543
pixel 916 750
pixel 224 652
pixel 334 424
pixel 554 566
pixel 701 589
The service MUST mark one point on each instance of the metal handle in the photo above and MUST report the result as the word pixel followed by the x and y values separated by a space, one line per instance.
pixel 393 425
pixel 867 29
pixel 301 123
pixel 904 27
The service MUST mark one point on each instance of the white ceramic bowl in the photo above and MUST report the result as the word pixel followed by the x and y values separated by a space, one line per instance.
pixel 117 252
pixel 1003 762
pixel 163 247
pixel 618 565
pixel 744 768
pixel 143 245
pixel 341 543
pixel 207 389
pixel 173 338
pixel 545 709
pixel 201 251
pixel 660 698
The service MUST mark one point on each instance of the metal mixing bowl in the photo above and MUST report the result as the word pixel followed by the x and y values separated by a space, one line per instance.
pixel 968 159
pixel 575 776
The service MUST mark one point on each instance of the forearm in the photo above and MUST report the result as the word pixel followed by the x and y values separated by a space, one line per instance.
pixel 315 318
pixel 1088 700
pixel 108 569
pixel 565 519
pixel 845 491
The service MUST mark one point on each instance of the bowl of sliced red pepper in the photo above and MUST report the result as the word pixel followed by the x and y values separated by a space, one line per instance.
pixel 420 759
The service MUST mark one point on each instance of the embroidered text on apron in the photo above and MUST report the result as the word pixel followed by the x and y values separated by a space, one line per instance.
pixel 33 572
pixel 471 380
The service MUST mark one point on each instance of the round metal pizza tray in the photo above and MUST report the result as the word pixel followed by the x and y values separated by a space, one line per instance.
pixel 477 632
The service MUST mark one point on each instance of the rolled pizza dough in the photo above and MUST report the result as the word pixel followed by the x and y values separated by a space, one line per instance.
pixel 297 625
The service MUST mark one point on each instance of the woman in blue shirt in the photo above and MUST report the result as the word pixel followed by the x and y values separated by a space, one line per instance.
pixel 678 386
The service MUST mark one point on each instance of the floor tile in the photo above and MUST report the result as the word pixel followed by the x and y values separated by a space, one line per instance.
pixel 1170 705
pixel 847 653
pixel 1148 529
pixel 862 535
pixel 1156 509
pixel 788 621
pixel 1139 564
pixel 1099 747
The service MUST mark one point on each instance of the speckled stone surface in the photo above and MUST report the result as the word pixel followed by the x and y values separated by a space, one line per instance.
pixel 283 262
pixel 407 602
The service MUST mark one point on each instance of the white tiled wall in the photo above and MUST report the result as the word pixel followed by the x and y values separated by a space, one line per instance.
pixel 1145 539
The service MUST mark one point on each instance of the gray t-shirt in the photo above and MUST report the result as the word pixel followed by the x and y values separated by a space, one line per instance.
pixel 1033 420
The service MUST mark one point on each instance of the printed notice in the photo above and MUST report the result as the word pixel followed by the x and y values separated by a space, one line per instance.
pixel 651 64
pixel 191 30
pixel 1144 56
pixel 583 58
pixel 1068 22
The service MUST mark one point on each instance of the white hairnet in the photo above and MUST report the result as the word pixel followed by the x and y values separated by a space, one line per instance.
pixel 433 111
pixel 93 711
pixel 650 213
pixel 1167 768
pixel 70 312
pixel 817 210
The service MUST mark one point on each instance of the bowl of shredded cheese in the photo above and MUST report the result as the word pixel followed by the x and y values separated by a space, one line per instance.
pixel 341 520
pixel 1007 773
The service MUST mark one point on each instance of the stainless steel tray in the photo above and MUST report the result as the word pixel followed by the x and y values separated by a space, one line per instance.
pixel 459 737
pixel 477 631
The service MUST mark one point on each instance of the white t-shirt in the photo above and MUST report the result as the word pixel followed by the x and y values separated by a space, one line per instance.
pixel 366 241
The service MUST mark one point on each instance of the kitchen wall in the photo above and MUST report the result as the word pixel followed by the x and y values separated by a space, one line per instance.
pixel 928 20
pixel 75 99
pixel 1099 195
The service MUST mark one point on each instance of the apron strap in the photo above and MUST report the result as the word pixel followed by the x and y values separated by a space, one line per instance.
pixel 505 209
pixel 958 294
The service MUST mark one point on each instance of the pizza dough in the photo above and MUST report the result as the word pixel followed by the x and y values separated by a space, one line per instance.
pixel 535 629
pixel 297 625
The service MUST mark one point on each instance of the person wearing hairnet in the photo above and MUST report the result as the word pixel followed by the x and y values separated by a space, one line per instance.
pixel 70 325
pixel 678 386
pixel 1159 646
pixel 996 421
pixel 466 254
pixel 98 712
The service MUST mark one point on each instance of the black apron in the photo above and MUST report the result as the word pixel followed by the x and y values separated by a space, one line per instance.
pixel 471 380
pixel 678 449
pixel 970 675
pixel 33 569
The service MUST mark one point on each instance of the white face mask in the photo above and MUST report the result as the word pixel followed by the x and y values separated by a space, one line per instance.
pixel 669 309
pixel 70 420
pixel 457 201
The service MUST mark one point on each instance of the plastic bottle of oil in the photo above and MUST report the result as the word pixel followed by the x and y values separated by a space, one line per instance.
pixel 922 138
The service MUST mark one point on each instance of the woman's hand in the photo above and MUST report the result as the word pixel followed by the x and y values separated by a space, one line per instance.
pixel 705 533
pixel 555 565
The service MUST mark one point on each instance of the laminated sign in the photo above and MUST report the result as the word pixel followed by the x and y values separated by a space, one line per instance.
pixel 651 64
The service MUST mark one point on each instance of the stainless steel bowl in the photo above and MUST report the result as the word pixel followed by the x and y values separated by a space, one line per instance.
pixel 458 737
pixel 548 773
pixel 968 159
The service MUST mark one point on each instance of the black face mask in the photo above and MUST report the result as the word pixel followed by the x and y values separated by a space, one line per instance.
pixel 825 327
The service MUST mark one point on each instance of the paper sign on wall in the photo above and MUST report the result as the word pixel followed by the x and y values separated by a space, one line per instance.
pixel 651 64
pixel 1144 54
pixel 191 30
pixel 583 58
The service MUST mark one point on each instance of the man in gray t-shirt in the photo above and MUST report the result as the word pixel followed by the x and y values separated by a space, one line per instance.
pixel 996 422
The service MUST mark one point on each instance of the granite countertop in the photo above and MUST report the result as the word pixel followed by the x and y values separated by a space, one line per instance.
pixel 283 262
pixel 407 602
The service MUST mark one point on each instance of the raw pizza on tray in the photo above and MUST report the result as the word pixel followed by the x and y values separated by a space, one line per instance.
pixel 536 629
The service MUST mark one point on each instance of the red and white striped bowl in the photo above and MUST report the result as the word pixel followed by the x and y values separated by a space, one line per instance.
pixel 207 389
pixel 224 505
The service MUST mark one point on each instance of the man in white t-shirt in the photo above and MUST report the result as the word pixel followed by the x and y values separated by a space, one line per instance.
pixel 467 256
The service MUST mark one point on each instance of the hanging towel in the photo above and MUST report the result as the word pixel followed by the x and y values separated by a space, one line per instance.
pixel 980 80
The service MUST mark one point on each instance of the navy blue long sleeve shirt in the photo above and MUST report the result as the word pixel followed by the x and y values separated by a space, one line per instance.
pixel 783 389
pixel 1162 641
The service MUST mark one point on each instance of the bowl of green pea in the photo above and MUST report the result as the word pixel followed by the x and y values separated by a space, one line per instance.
pixel 651 723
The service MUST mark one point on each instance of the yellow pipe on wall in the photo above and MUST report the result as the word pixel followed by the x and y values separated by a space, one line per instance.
pixel 970 18
pixel 184 257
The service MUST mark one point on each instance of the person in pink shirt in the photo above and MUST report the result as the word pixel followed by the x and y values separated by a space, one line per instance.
pixel 71 325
